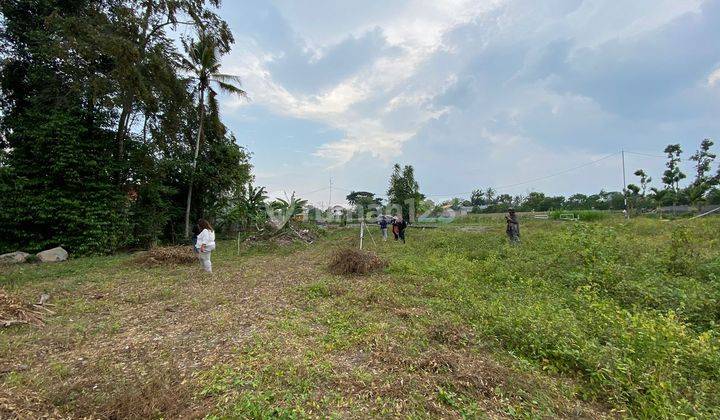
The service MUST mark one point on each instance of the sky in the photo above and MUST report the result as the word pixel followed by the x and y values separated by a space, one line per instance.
pixel 510 94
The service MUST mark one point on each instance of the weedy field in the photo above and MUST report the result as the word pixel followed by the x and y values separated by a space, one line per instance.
pixel 609 318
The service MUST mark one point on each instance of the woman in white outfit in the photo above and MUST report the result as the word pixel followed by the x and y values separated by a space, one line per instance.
pixel 205 244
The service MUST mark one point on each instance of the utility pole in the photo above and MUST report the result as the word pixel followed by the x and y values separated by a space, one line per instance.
pixel 330 201
pixel 627 211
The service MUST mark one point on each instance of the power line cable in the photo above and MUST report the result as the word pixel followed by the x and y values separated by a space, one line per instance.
pixel 646 154
pixel 306 193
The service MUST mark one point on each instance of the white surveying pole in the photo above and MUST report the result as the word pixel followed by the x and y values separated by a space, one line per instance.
pixel 362 233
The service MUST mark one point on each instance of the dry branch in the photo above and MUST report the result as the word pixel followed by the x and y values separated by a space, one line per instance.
pixel 355 261
pixel 13 312
pixel 170 255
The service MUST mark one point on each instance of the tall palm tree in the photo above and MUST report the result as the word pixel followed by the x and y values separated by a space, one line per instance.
pixel 203 64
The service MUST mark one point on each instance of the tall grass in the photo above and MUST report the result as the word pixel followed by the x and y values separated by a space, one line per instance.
pixel 629 308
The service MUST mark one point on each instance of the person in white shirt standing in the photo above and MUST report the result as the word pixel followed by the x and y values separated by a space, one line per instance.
pixel 205 244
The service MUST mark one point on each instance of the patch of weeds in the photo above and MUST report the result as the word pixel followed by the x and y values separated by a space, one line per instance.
pixel 80 327
pixel 256 405
pixel 19 275
pixel 14 379
pixel 261 384
pixel 680 257
pixel 345 328
pixel 464 406
pixel 318 290
pixel 293 323
pixel 166 293
pixel 221 380
pixel 60 369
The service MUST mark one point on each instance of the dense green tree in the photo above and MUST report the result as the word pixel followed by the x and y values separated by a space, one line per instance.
pixel 673 175
pixel 363 199
pixel 576 201
pixel 535 201
pixel 138 38
pixel 703 182
pixel 97 125
pixel 633 196
pixel 645 181
pixel 660 197
pixel 57 187
pixel 477 198
pixel 713 196
pixel 490 195
pixel 404 191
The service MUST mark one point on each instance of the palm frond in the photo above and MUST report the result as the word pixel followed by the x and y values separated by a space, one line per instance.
pixel 227 87
pixel 228 78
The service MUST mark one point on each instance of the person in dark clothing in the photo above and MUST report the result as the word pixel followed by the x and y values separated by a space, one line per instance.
pixel 395 229
pixel 513 226
pixel 383 227
pixel 400 225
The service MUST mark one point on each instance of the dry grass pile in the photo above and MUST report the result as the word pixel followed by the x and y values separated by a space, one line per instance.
pixel 169 255
pixel 13 312
pixel 355 261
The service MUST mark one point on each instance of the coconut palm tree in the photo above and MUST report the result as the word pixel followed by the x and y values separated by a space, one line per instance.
pixel 203 65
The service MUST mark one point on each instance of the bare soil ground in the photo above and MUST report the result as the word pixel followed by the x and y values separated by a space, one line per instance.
pixel 270 333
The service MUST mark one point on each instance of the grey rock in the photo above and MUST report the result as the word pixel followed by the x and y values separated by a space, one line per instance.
pixel 53 255
pixel 14 257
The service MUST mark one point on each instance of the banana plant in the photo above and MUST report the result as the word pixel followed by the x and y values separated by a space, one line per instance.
pixel 285 210
pixel 251 207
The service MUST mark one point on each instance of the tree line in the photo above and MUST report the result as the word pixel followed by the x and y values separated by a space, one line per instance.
pixel 110 127
pixel 640 195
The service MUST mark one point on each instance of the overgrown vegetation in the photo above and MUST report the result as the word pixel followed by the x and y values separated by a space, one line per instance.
pixel 602 319
pixel 630 308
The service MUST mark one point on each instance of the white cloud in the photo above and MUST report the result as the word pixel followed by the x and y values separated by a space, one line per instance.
pixel 491 84
pixel 418 34
pixel 714 78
